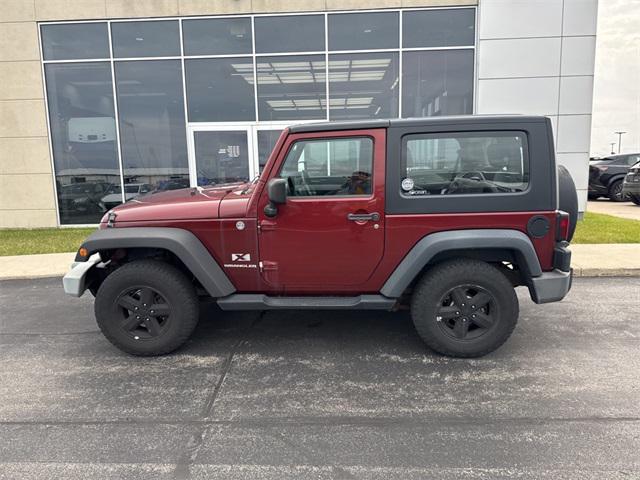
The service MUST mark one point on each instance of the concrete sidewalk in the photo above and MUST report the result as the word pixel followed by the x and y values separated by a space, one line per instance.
pixel 627 210
pixel 598 260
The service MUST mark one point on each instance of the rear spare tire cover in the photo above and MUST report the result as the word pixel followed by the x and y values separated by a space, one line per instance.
pixel 568 201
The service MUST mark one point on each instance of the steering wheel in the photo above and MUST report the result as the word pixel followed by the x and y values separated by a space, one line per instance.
pixel 473 175
pixel 305 183
pixel 299 187
pixel 477 180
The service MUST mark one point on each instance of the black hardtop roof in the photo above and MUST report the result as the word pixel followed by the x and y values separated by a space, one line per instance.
pixel 411 122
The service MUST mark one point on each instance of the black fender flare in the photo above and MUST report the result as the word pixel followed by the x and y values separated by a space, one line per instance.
pixel 476 239
pixel 182 243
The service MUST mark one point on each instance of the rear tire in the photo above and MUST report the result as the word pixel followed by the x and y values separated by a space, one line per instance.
pixel 464 308
pixel 615 192
pixel 568 198
pixel 147 308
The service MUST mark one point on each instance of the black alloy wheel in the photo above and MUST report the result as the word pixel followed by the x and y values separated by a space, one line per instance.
pixel 466 312
pixel 147 307
pixel 145 312
pixel 464 308
pixel 615 192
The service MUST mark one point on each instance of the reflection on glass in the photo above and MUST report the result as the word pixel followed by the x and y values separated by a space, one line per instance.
pixel 363 85
pixel 291 87
pixel 291 33
pixel 363 31
pixel 152 123
pixel 75 41
pixel 221 156
pixel 266 141
pixel 217 36
pixel 145 39
pixel 341 166
pixel 131 190
pixel 438 28
pixel 220 89
pixel 465 163
pixel 437 83
pixel 83 137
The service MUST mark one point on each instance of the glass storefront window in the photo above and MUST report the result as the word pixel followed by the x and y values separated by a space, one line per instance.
pixel 75 41
pixel 289 33
pixel 437 83
pixel 438 28
pixel 221 156
pixel 363 31
pixel 291 88
pixel 152 123
pixel 217 36
pixel 266 141
pixel 240 79
pixel 363 85
pixel 220 89
pixel 145 39
pixel 83 137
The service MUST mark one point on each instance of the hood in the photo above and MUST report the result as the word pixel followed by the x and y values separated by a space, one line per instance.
pixel 182 204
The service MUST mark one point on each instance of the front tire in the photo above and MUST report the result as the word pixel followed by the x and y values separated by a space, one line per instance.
pixel 147 308
pixel 615 192
pixel 635 199
pixel 464 308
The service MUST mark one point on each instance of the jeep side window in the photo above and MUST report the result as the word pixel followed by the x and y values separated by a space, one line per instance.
pixel 464 163
pixel 333 166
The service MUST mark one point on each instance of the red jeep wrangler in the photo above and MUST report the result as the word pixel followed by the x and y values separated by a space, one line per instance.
pixel 443 215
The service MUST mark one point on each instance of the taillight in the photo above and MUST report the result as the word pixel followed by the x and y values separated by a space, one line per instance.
pixel 562 226
pixel 602 168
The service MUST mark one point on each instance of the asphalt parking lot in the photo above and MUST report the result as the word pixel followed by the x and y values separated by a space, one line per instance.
pixel 352 395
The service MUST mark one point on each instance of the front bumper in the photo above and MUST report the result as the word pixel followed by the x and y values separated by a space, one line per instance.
pixel 632 188
pixel 74 282
pixel 551 286
pixel 596 188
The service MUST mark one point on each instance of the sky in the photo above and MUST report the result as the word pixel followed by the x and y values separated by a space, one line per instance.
pixel 616 87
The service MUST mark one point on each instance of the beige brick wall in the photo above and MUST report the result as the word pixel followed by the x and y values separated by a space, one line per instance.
pixel 26 181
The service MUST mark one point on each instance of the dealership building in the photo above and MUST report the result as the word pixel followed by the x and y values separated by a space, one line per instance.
pixel 105 100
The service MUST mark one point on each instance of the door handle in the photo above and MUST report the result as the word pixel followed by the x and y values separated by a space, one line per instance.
pixel 363 217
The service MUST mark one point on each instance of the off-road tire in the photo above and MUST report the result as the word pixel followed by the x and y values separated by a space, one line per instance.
pixel 428 296
pixel 615 192
pixel 568 198
pixel 635 199
pixel 170 285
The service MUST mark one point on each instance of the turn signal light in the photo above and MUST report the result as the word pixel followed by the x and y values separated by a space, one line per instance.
pixel 83 252
pixel 562 226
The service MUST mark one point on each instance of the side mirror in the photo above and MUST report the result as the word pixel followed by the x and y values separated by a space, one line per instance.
pixel 277 193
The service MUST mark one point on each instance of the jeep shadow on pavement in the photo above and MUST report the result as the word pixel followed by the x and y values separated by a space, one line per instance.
pixel 442 215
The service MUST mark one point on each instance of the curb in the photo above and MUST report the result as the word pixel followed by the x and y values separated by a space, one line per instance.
pixel 605 272
pixel 31 267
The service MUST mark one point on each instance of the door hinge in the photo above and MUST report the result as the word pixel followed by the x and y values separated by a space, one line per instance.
pixel 266 226
pixel 267 266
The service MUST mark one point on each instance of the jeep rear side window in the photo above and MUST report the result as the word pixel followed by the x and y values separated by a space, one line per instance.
pixel 332 166
pixel 464 163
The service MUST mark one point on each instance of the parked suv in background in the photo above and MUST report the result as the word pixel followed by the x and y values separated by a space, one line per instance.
pixel 607 174
pixel 444 216
pixel 131 190
pixel 631 185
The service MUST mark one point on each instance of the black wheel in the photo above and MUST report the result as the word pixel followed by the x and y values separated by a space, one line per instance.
pixel 464 308
pixel 615 192
pixel 146 308
pixel 635 199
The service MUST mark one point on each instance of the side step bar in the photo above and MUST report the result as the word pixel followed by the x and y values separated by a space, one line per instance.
pixel 256 301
